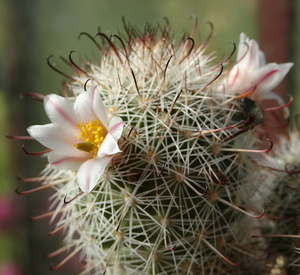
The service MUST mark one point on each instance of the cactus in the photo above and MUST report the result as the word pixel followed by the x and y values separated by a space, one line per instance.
pixel 279 195
pixel 151 154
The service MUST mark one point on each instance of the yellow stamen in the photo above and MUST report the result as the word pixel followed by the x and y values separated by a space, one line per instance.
pixel 92 135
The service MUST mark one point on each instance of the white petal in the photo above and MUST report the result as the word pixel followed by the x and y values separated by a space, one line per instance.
pixel 269 76
pixel 89 106
pixel 284 69
pixel 60 110
pixel 56 137
pixel 266 77
pixel 90 172
pixel 262 59
pixel 254 56
pixel 251 69
pixel 65 162
pixel 115 127
pixel 248 57
pixel 243 45
pixel 109 146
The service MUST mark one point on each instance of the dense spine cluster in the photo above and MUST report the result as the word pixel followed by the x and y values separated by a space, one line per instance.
pixel 279 195
pixel 181 196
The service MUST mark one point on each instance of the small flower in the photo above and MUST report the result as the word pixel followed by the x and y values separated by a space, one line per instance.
pixel 10 268
pixel 80 136
pixel 251 71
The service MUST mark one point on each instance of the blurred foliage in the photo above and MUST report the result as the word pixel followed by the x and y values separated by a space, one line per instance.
pixel 5 159
pixel 296 59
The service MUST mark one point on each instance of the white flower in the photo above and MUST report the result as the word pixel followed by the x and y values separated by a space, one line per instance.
pixel 80 136
pixel 251 71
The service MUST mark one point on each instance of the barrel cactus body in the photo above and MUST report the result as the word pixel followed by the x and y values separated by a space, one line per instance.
pixel 148 155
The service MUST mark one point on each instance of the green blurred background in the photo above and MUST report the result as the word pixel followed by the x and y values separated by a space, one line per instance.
pixel 31 30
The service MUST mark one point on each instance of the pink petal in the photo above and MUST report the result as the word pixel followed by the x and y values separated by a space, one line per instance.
pixel 89 106
pixel 64 154
pixel 269 76
pixel 266 77
pixel 55 137
pixel 90 172
pixel 115 127
pixel 63 162
pixel 60 110
pixel 251 69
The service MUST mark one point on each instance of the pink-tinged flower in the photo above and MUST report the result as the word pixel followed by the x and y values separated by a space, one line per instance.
pixel 81 137
pixel 251 71
pixel 10 210
pixel 10 269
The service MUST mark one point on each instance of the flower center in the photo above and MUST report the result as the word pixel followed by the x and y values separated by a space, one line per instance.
pixel 92 134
